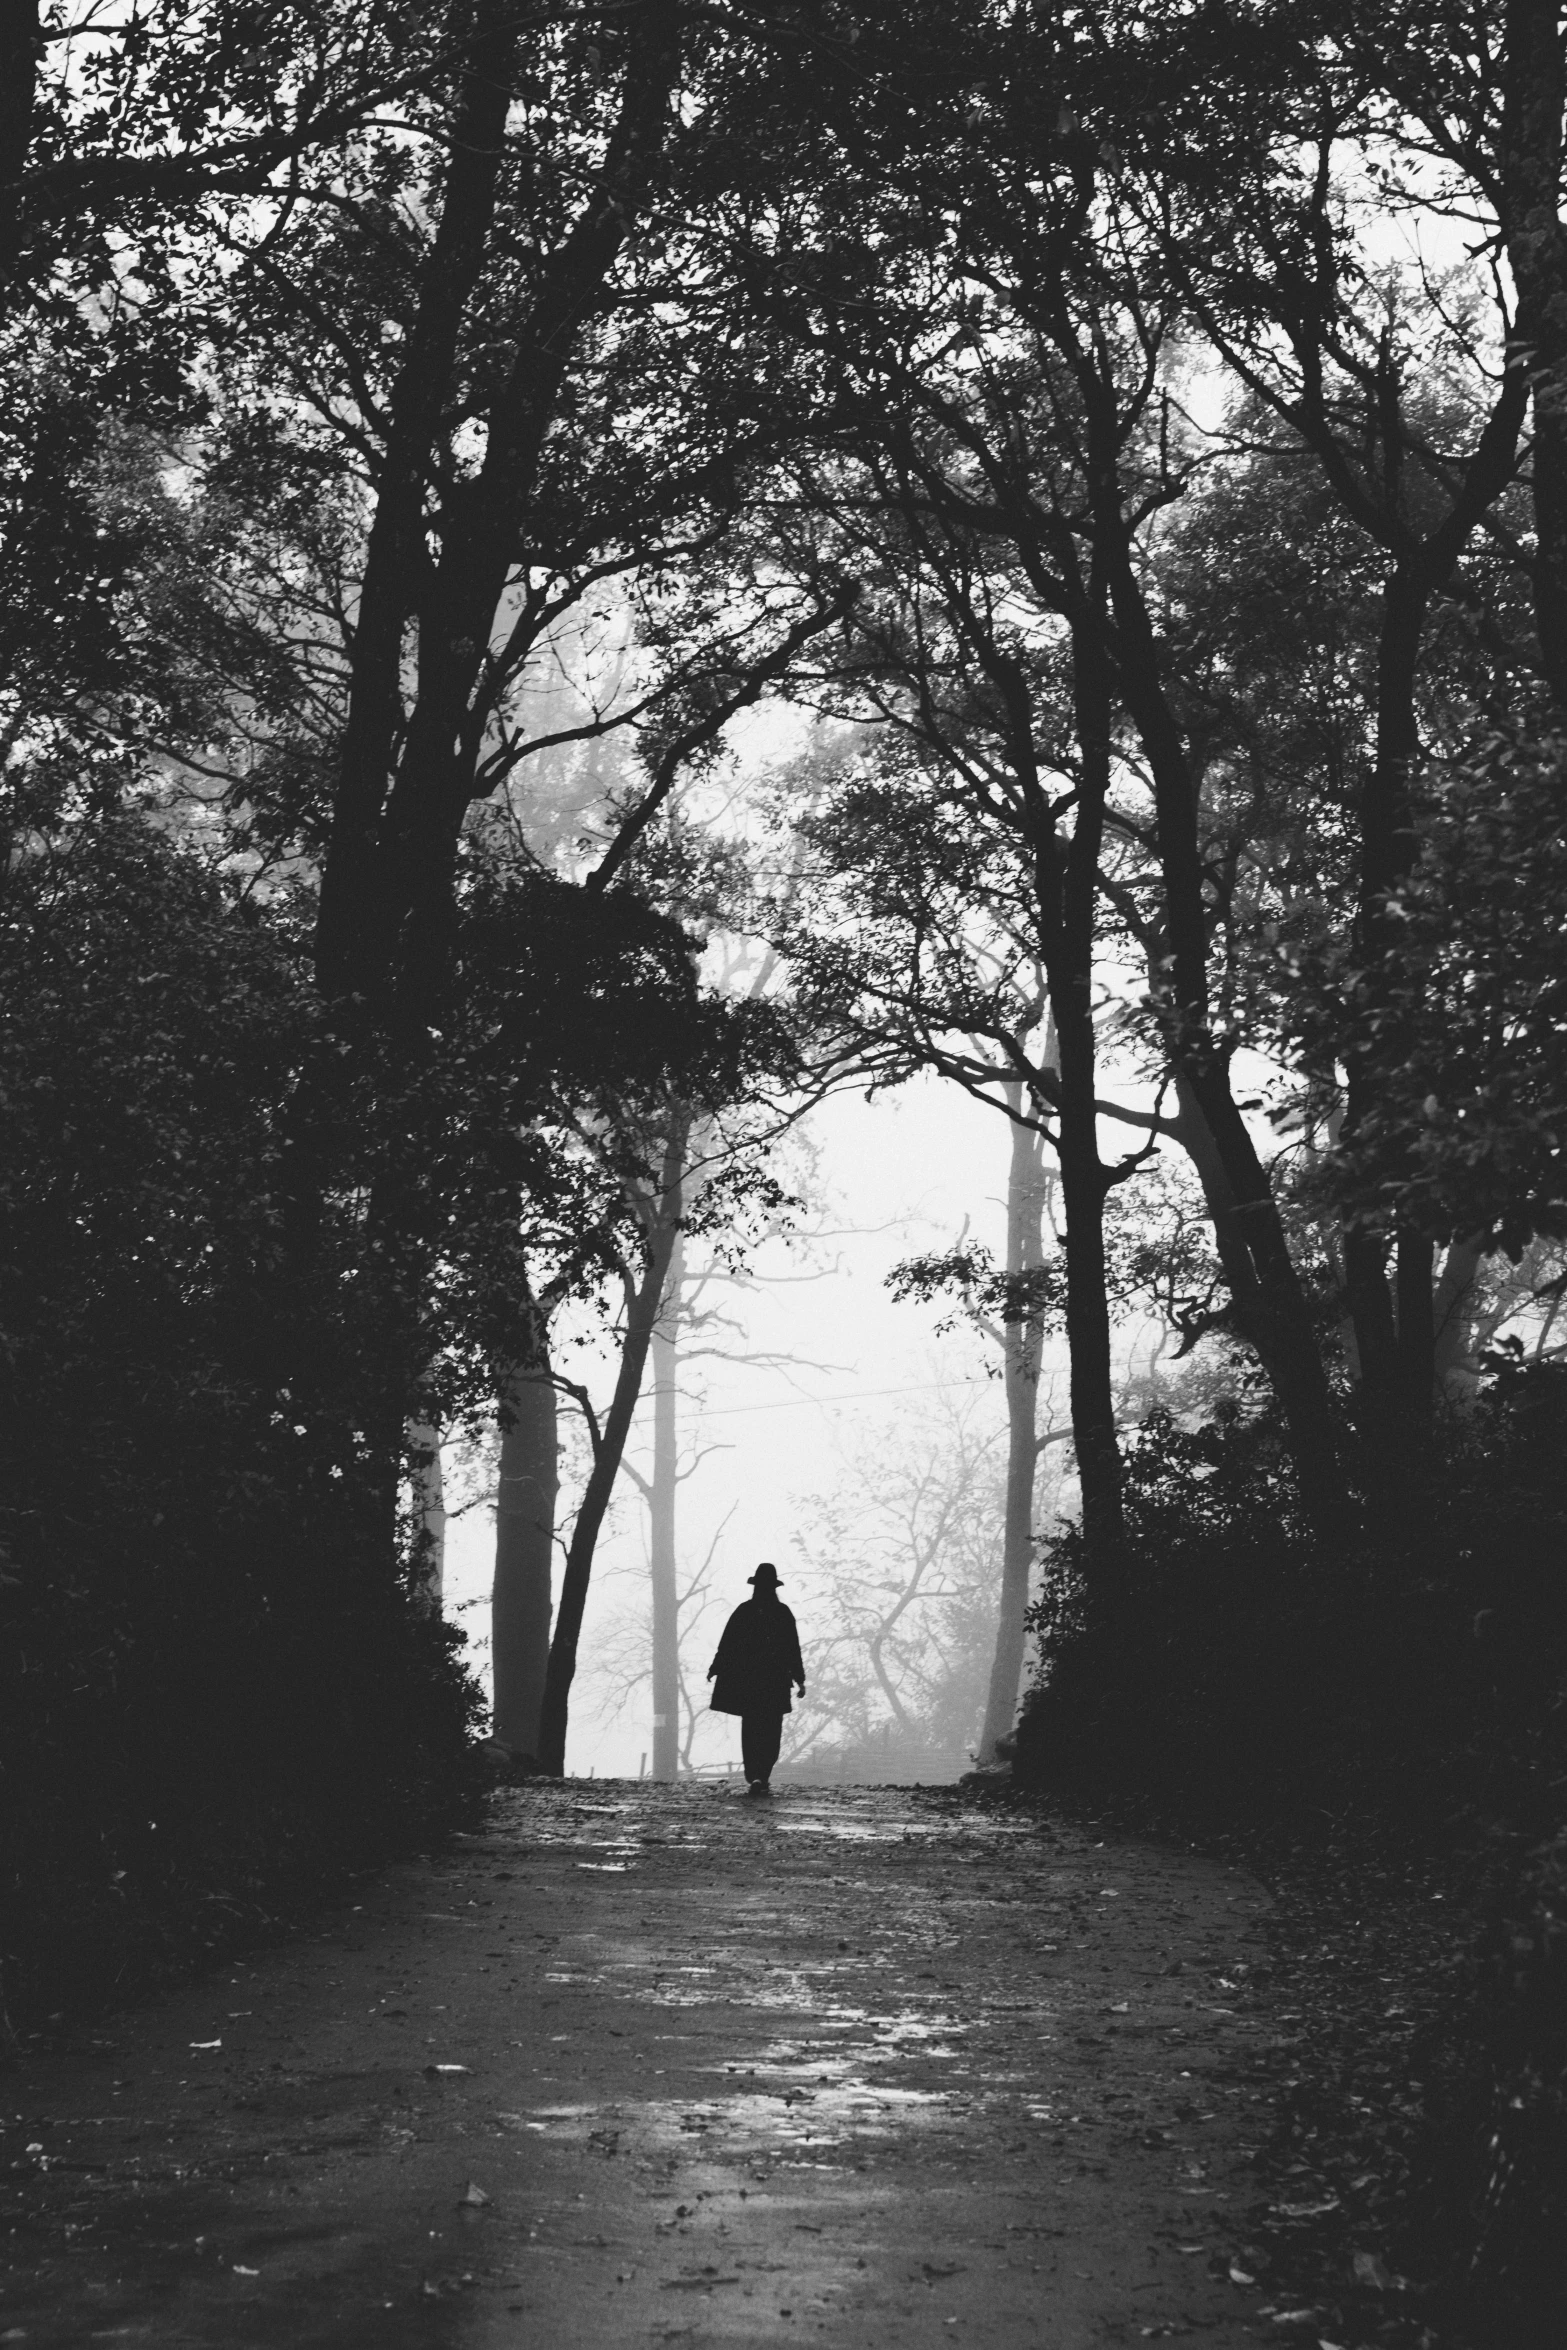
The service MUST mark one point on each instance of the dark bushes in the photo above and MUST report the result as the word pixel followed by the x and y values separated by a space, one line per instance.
pixel 203 1727
pixel 1413 1683
pixel 1497 2118
pixel 1419 1675
pixel 1492 2216
pixel 215 1690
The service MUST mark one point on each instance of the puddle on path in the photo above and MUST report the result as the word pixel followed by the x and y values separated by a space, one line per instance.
pixel 746 2125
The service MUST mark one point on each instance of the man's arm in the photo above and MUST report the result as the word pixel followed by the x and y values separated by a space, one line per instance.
pixel 718 1653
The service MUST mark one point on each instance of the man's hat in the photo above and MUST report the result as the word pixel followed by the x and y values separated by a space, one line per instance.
pixel 765 1573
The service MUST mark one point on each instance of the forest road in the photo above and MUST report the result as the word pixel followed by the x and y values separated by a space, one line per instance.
pixel 637 2064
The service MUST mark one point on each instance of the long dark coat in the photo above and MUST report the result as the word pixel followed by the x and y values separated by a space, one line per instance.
pixel 758 1659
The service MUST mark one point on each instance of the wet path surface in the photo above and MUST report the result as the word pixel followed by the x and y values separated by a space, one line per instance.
pixel 870 2066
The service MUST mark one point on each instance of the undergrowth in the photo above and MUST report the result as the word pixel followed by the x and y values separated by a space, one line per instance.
pixel 1344 1717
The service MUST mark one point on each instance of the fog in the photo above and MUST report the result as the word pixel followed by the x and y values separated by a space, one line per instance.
pixel 894 1174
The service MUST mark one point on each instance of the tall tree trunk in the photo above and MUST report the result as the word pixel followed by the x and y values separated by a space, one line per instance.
pixel 1201 1061
pixel 351 942
pixel 1414 1282
pixel 429 1483
pixel 405 779
pixel 21 50
pixel 1066 893
pixel 1027 1189
pixel 1394 1330
pixel 1095 1442
pixel 661 1211
pixel 661 1516
pixel 1084 1181
pixel 1453 1316
pixel 1287 1342
pixel 524 1549
pixel 1391 1333
pixel 1191 1131
pixel 1534 88
pixel 1421 569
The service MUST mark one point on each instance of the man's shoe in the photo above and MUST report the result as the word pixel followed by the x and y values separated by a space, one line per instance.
pixel 761 1788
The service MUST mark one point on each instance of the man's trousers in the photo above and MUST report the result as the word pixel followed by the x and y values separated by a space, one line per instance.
pixel 761 1735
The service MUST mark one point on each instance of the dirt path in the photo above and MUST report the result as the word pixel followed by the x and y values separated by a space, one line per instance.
pixel 638 2064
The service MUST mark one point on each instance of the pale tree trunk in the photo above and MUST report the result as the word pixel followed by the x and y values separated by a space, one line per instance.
pixel 1067 888
pixel 1534 83
pixel 1027 1189
pixel 660 1208
pixel 429 1484
pixel 1190 1129
pixel 661 1514
pixel 671 1745
pixel 1247 1226
pixel 1453 1317
pixel 524 1551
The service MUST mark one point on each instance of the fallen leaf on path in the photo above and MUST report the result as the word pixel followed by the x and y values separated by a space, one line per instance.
pixel 473 2196
pixel 1240 2276
pixel 1372 2270
pixel 240 2271
pixel 1306 2210
pixel 206 2043
pixel 431 2070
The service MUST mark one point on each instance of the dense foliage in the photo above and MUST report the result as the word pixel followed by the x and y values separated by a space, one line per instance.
pixel 219 1678
pixel 1241 1664
pixel 1472 1131
pixel 214 1693
pixel 1244 1679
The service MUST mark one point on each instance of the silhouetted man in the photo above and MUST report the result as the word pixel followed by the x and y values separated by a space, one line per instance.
pixel 758 1657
